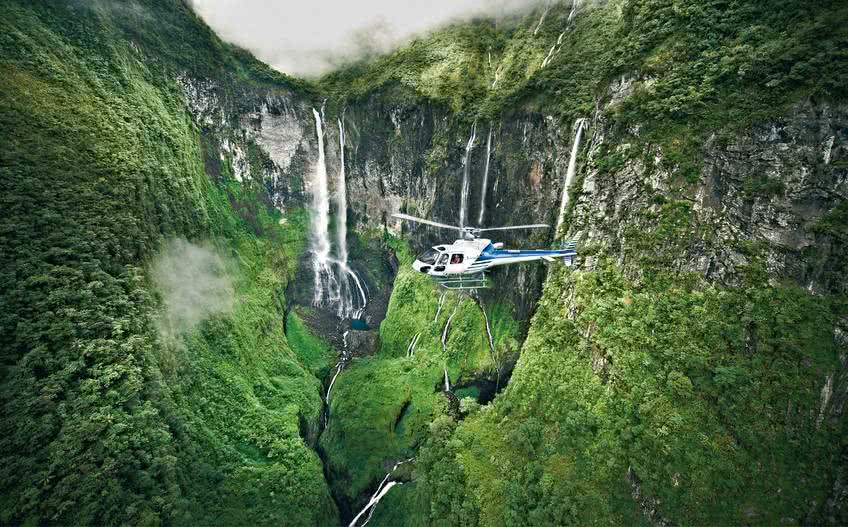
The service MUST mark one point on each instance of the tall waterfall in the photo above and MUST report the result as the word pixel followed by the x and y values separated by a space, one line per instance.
pixel 336 284
pixel 341 199
pixel 326 284
pixel 485 179
pixel 579 124
pixel 463 201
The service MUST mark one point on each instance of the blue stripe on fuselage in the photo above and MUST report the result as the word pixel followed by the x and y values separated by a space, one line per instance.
pixel 490 253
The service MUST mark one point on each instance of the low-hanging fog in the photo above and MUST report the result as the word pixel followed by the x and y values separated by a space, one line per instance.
pixel 310 38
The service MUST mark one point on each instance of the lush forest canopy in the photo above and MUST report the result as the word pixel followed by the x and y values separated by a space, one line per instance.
pixel 642 394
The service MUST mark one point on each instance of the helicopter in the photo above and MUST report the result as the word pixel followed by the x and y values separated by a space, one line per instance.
pixel 462 264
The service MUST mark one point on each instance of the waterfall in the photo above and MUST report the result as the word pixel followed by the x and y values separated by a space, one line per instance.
pixel 491 345
pixel 339 367
pixel 445 332
pixel 542 19
pixel 341 199
pixel 381 491
pixel 410 350
pixel 488 331
pixel 439 310
pixel 573 9
pixel 579 124
pixel 485 179
pixel 333 276
pixel 445 344
pixel 463 202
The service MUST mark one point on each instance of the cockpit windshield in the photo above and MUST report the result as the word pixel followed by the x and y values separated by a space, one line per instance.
pixel 429 256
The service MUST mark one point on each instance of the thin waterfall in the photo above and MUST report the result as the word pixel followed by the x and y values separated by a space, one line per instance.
pixel 410 350
pixel 447 327
pixel 491 344
pixel 339 367
pixel 573 10
pixel 579 124
pixel 542 19
pixel 441 302
pixel 463 201
pixel 445 344
pixel 341 198
pixel 381 491
pixel 485 179
pixel 321 222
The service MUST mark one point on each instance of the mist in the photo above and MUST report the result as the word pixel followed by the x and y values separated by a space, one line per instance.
pixel 311 38
pixel 194 284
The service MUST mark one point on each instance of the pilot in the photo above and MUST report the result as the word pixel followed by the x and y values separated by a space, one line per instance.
pixel 455 259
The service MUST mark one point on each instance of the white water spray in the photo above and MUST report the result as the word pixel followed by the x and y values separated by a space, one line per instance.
pixel 441 302
pixel 541 19
pixel 447 327
pixel 341 198
pixel 463 201
pixel 410 350
pixel 339 367
pixel 579 124
pixel 573 10
pixel 485 179
pixel 381 491
pixel 333 276
pixel 445 344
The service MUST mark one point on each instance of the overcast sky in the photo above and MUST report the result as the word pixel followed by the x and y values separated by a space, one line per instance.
pixel 309 37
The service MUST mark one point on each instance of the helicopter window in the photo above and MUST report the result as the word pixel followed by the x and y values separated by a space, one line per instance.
pixel 429 256
pixel 456 259
pixel 443 260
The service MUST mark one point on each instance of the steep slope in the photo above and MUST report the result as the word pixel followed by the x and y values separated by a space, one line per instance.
pixel 693 367
pixel 690 369
pixel 122 402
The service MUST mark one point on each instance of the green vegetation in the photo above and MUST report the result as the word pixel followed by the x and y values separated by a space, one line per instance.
pixel 636 378
pixel 106 420
pixel 381 406
pixel 709 396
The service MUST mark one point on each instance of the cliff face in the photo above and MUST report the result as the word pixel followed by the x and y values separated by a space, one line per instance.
pixel 690 368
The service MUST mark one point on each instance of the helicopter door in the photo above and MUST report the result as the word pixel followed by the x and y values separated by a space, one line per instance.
pixel 439 269
pixel 456 263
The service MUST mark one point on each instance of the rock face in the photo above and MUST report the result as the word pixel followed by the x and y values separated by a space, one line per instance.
pixel 766 191
pixel 362 343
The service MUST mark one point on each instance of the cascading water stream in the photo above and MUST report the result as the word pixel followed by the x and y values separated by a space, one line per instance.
pixel 381 491
pixel 445 345
pixel 333 276
pixel 579 124
pixel 463 200
pixel 321 222
pixel 485 179
pixel 410 350
pixel 441 302
pixel 341 198
pixel 339 367
pixel 491 343
pixel 573 10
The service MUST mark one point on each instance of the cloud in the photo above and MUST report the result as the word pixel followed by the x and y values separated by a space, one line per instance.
pixel 310 38
pixel 194 285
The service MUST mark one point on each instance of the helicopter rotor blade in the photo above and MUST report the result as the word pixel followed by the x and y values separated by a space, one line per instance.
pixel 513 227
pixel 427 222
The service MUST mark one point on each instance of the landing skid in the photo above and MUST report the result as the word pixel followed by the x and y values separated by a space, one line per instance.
pixel 463 282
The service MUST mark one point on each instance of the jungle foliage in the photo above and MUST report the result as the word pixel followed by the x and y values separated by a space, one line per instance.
pixel 105 419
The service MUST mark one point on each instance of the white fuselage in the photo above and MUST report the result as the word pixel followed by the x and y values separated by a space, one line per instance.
pixel 477 255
